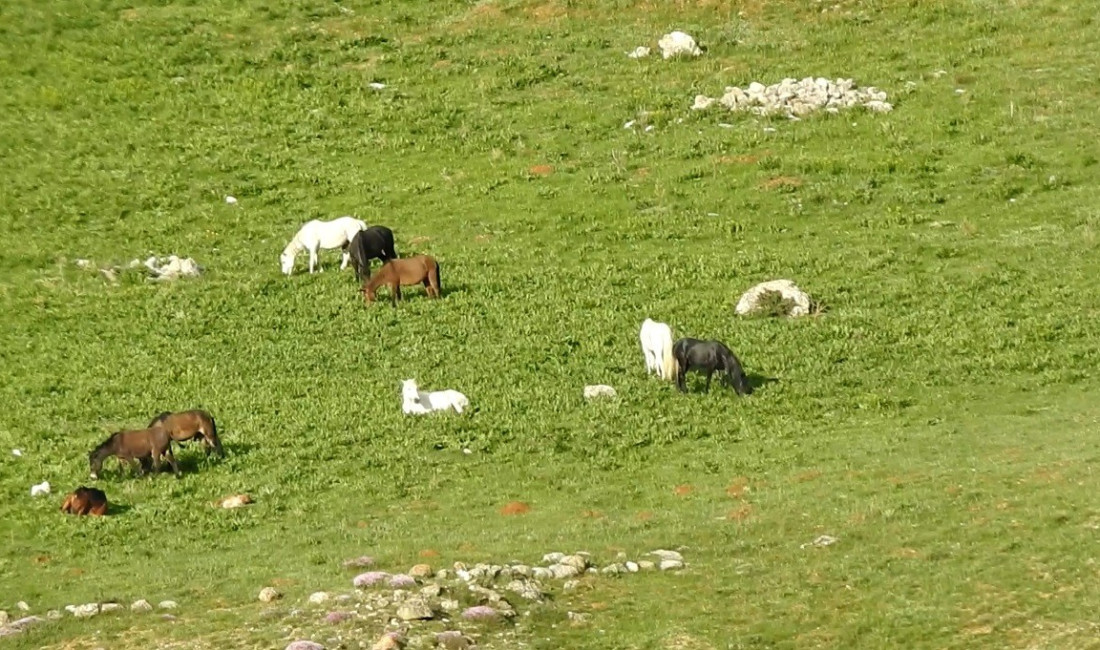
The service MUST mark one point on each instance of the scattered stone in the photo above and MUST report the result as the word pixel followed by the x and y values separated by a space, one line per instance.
pixel 109 607
pixel 24 623
pixel 377 85
pixel 235 501
pixel 443 574
pixel 171 268
pixel 667 555
pixel 577 561
pixel 598 390
pixel 613 569
pixel 639 52
pixel 795 98
pixel 632 567
pixel 85 264
pixel 4 617
pixel 646 565
pixel 141 606
pixel 414 609
pixel 524 589
pixel 521 570
pixel 53 615
pixel 666 565
pixel 231 200
pixel 821 541
pixel 542 573
pixel 269 594
pixel 360 562
pixel 480 613
pixel 752 299
pixel 402 581
pixel 41 489
pixel 577 618
pixel 318 597
pixel 454 640
pixel 677 44
pixel 432 590
pixel 167 604
pixel 167 617
pixel 421 571
pixel 553 558
pixel 562 571
pixel 570 585
pixel 83 611
pixel 449 605
pixel 337 617
pixel 370 578
pixel 305 645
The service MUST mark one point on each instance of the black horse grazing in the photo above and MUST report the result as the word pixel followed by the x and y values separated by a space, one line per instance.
pixel 376 242
pixel 693 354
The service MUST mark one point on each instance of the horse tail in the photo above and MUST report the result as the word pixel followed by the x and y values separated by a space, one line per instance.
pixel 438 285
pixel 669 367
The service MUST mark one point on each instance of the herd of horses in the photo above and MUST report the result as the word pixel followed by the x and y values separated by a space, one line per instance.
pixel 147 448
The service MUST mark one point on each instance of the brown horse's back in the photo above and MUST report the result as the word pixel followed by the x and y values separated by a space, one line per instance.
pixel 411 270
pixel 189 425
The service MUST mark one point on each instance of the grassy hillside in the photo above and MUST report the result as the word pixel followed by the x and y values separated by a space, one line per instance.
pixel 937 418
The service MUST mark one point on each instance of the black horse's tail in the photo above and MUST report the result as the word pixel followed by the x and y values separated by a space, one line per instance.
pixel 737 375
pixel 438 282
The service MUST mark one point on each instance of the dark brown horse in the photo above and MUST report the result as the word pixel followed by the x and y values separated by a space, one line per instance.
pixel 135 445
pixel 85 501
pixel 186 426
pixel 418 269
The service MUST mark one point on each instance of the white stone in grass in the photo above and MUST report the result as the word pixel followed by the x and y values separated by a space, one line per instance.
pixel 269 594
pixel 751 299
pixel 23 606
pixel 666 565
pixel 639 52
pixel 702 102
pixel 664 554
pixel 83 611
pixel 167 604
pixel 109 607
pixel 231 200
pixel 17 453
pixel 141 606
pixel 678 44
pixel 41 489
pixel 598 390
pixel 4 617
pixel 318 597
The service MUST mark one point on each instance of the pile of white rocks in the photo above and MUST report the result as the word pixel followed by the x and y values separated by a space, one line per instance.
pixel 795 98
pixel 160 269
pixel 87 610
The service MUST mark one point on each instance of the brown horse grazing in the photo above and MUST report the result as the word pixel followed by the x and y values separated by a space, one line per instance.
pixel 186 426
pixel 404 271
pixel 85 501
pixel 134 445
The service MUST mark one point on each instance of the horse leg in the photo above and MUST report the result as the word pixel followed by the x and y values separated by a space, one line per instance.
pixel 396 294
pixel 344 259
pixel 710 373
pixel 313 260
pixel 680 375
pixel 172 460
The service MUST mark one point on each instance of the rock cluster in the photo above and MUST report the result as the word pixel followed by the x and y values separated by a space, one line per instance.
pixel 159 269
pixel 87 610
pixel 795 98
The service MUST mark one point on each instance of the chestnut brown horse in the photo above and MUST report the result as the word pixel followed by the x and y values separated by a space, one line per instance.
pixel 186 426
pixel 85 501
pixel 138 444
pixel 418 269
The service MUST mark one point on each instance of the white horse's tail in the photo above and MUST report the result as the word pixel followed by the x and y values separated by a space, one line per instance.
pixel 669 367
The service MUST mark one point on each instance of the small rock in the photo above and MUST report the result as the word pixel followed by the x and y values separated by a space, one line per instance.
pixel 370 578
pixel 17 453
pixel 443 574
pixel 646 565
pixel 480 613
pixel 83 611
pixel 53 615
pixel 521 570
pixel 235 501
pixel 542 573
pixel 337 617
pixel 4 618
pixel 678 44
pixel 389 641
pixel 613 569
pixel 402 581
pixel 166 604
pixel 577 561
pixel 318 597
pixel 524 589
pixel 421 571
pixel 632 567
pixel 41 489
pixel 553 558
pixel 414 609
pixel 167 617
pixel 25 622
pixel 269 594
pixel 231 200
pixel 376 85
pixel 85 264
pixel 639 52
pixel 431 590
pixel 359 562
pixel 665 565
pixel 454 640
pixel 667 555
pixel 599 390
pixel 305 645
pixel 562 571
pixel 109 607
pixel 577 617
pixel 570 585
pixel 141 606
pixel 821 541
pixel 449 605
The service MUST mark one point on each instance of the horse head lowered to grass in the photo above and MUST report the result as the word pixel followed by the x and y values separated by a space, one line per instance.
pixel 708 356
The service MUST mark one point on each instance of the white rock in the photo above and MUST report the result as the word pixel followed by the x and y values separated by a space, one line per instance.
pixel 109 607
pixel 140 606
pixel 17 452
pixel 628 124
pixel 318 597
pixel 678 43
pixel 85 264
pixel 42 488
pixel 646 565
pixel 231 200
pixel 51 615
pixel 632 567
pixel 552 558
pixel 376 85
pixel 83 611
pixel 22 606
pixel 598 390
pixel 570 585
pixel 4 618
pixel 665 565
pixel 167 604
pixel 702 102
pixel 562 571
pixel 667 555
pixel 269 594
pixel 751 299
pixel 639 52
pixel 542 573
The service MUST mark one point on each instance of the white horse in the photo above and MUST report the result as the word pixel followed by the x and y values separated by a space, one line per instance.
pixel 418 403
pixel 315 235
pixel 656 341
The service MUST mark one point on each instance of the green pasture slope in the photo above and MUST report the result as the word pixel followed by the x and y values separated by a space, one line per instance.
pixel 939 418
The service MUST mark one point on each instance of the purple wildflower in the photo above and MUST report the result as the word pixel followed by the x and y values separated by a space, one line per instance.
pixel 479 612
pixel 401 581
pixel 369 579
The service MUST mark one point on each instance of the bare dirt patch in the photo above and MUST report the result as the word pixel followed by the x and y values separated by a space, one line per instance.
pixel 782 183
pixel 515 508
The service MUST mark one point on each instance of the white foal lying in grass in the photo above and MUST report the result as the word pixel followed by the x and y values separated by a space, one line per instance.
pixel 656 341
pixel 417 403
pixel 315 235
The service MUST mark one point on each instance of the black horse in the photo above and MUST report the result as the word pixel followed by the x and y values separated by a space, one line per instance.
pixel 376 242
pixel 693 354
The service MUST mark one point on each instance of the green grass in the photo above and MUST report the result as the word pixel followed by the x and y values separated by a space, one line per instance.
pixel 938 418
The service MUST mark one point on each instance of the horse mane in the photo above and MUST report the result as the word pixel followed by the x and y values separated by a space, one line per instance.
pixel 103 445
